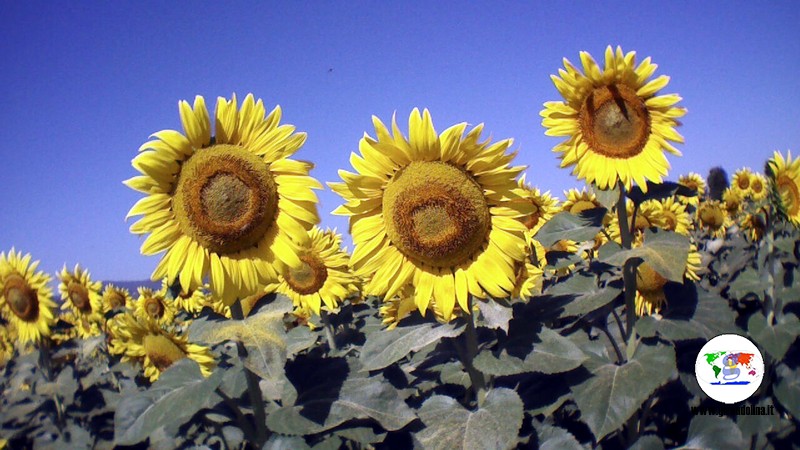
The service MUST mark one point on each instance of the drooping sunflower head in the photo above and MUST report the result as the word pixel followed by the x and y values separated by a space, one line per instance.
pixel 785 177
pixel 754 225
pixel 323 278
pixel 733 200
pixel 758 187
pixel 544 205
pixel 232 207
pixel 26 300
pixel 712 217
pixel 440 212
pixel 616 126
pixel 578 201
pixel 80 294
pixel 155 347
pixel 650 295
pixel 673 216
pixel 116 298
pixel 695 182
pixel 741 182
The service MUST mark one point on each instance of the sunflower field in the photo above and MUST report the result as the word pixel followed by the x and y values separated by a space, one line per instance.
pixel 474 312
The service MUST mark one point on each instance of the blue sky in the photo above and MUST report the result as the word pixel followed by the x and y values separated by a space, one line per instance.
pixel 83 85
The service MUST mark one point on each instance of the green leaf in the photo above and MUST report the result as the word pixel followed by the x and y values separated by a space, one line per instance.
pixel 607 197
pixel 787 389
pixel 613 393
pixel 170 402
pixel 578 228
pixel 299 339
pixel 588 295
pixel 691 315
pixel 495 425
pixel 553 354
pixel 659 191
pixel 278 442
pixel 746 282
pixel 665 251
pixel 555 438
pixel 775 339
pixel 360 397
pixel 389 346
pixel 713 432
pixel 648 442
pixel 494 315
pixel 755 424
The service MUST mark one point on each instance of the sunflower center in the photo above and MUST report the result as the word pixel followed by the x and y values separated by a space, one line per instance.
pixel 789 194
pixel 756 186
pixel 615 122
pixel 226 198
pixel 79 296
pixel 649 281
pixel 581 206
pixel 743 182
pixel 153 307
pixel 435 213
pixel 641 223
pixel 161 351
pixel 116 300
pixel 21 298
pixel 712 216
pixel 670 220
pixel 309 278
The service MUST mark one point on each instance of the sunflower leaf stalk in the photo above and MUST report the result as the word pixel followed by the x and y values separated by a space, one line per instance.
pixel 254 391
pixel 476 377
pixel 329 334
pixel 629 267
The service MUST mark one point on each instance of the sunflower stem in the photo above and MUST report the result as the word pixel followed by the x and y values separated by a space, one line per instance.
pixel 629 267
pixel 329 335
pixel 471 343
pixel 46 364
pixel 769 295
pixel 259 414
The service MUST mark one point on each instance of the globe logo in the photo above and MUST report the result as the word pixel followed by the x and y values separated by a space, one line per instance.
pixel 729 368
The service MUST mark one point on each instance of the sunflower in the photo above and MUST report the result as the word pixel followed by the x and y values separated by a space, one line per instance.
pixel 155 347
pixel 7 338
pixel 694 263
pixel 648 216
pixel 115 298
pixel 579 201
pixel 437 211
pixel 616 125
pixel 696 183
pixel 786 178
pixel 189 300
pixel 81 296
pixel 754 225
pixel 26 300
pixel 713 218
pixel 324 276
pixel 153 305
pixel 545 206
pixel 528 281
pixel 732 200
pixel 650 295
pixel 398 308
pixel 673 216
pixel 232 206
pixel 758 187
pixel 741 181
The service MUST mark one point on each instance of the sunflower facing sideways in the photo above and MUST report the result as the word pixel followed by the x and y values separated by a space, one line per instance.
pixel 695 182
pixel 786 179
pixel 233 207
pixel 116 298
pixel 713 218
pixel 436 211
pixel 324 277
pixel 153 305
pixel 616 126
pixel 81 297
pixel 26 300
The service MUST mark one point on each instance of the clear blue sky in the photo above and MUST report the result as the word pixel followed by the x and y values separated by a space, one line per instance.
pixel 83 85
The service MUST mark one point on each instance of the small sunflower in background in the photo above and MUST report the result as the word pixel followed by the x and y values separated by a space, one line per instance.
pixel 545 206
pixel 232 206
pixel 713 218
pixel 529 275
pixel 116 298
pixel 81 296
pixel 153 305
pixel 578 201
pixel 695 182
pixel 740 182
pixel 154 347
pixel 393 310
pixel 439 211
pixel 758 187
pixel 26 300
pixel 673 216
pixel 649 215
pixel 754 225
pixel 733 201
pixel 786 180
pixel 8 336
pixel 617 128
pixel 189 300
pixel 324 278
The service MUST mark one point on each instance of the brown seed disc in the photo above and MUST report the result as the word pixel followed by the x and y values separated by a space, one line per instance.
pixel 789 194
pixel 115 300
pixel 79 296
pixel 615 122
pixel 435 213
pixel 161 351
pixel 310 277
pixel 649 281
pixel 21 298
pixel 153 307
pixel 712 216
pixel 225 198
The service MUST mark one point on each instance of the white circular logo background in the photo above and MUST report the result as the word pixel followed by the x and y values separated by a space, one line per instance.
pixel 729 368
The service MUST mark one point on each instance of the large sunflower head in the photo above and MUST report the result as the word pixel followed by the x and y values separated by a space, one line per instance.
pixel 153 346
pixel 713 218
pixel 616 126
pixel 233 207
pixel 695 182
pixel 325 276
pixel 741 182
pixel 785 176
pixel 26 300
pixel 439 211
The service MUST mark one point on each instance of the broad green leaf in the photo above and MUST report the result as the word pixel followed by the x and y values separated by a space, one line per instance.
pixel 787 389
pixel 495 425
pixel 775 339
pixel 555 438
pixel 746 282
pixel 648 442
pixel 363 435
pixel 389 346
pixel 754 424
pixel 607 197
pixel 578 228
pixel 278 442
pixel 494 315
pixel 588 295
pixel 713 432
pixel 360 397
pixel 170 402
pixel 614 392
pixel 665 251
pixel 553 354
pixel 692 314
pixel 299 339
pixel 658 191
